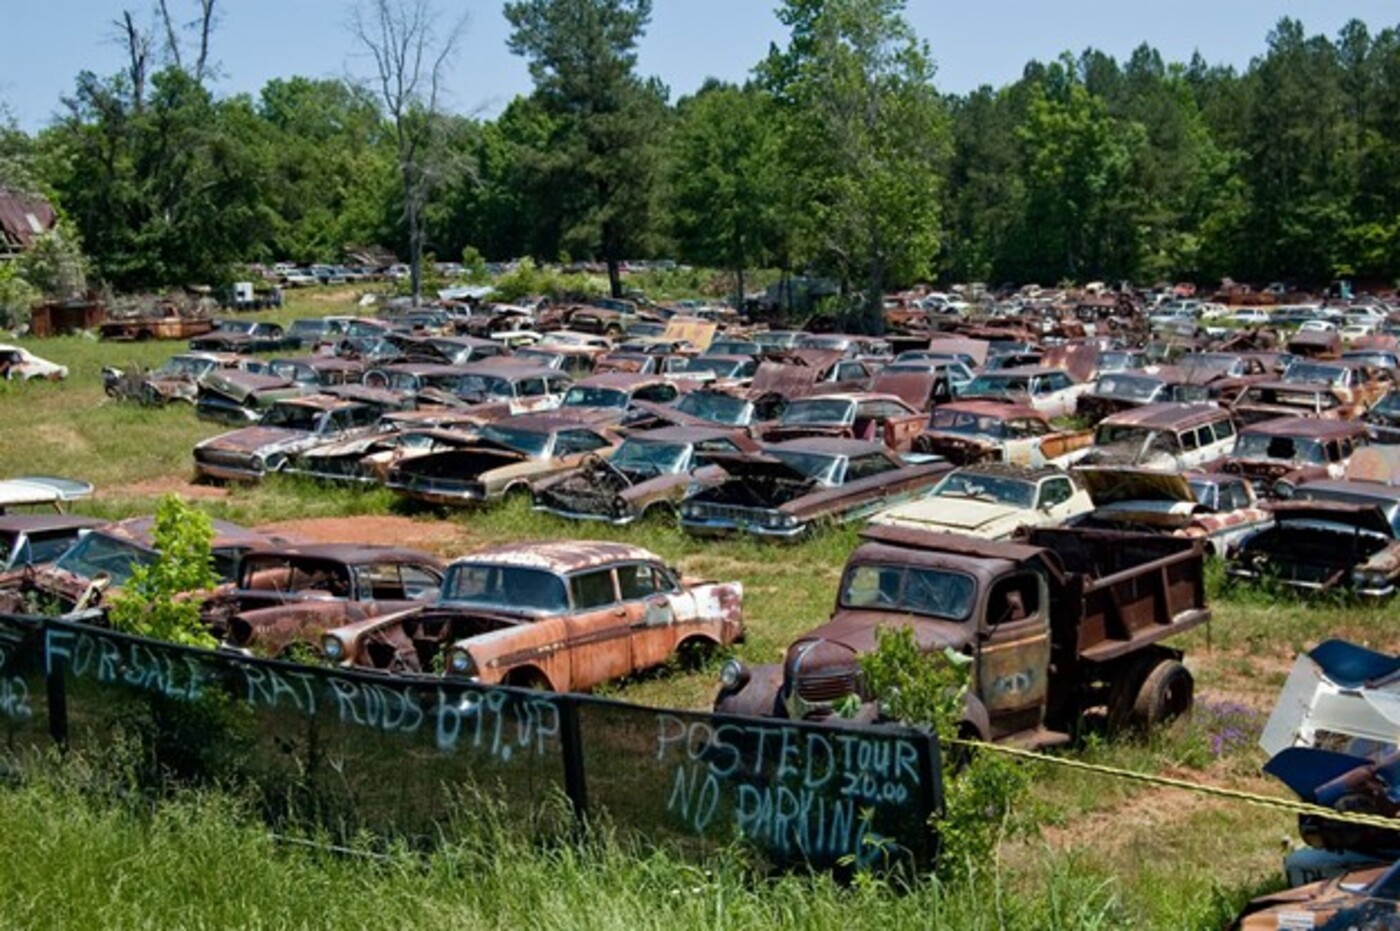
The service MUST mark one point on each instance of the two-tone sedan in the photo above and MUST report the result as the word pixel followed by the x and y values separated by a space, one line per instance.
pixel 507 457
pixel 560 615
pixel 289 427
pixel 785 489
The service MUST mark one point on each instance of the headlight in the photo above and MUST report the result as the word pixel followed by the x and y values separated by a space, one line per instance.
pixel 789 520
pixel 620 508
pixel 271 462
pixel 333 647
pixel 1283 490
pixel 1368 578
pixel 690 510
pixel 459 663
pixel 733 675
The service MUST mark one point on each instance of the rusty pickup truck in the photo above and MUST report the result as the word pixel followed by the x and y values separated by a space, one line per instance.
pixel 1058 627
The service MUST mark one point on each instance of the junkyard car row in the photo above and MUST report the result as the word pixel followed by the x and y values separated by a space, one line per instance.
pixel 1042 484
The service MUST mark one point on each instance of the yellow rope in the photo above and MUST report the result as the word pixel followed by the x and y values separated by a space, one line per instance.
pixel 1249 798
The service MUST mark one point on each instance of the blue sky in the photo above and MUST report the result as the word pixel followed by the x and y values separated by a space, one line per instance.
pixel 46 42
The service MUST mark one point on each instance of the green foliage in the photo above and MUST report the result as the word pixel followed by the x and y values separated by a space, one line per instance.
pixel 980 789
pixel 156 601
pixel 527 279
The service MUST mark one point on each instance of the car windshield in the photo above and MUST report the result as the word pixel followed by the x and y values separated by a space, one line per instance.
pixel 1389 404
pixel 733 348
pixel 508 588
pixel 935 592
pixel 1117 361
pixel 814 466
pixel 1203 492
pixel 594 396
pixel 529 442
pixel 291 417
pixel 968 424
pixel 717 408
pixel 1121 435
pixel 306 327
pixel 1314 372
pixel 184 365
pixel 1281 448
pixel 650 458
pixel 293 371
pixel 1214 361
pixel 723 368
pixel 99 553
pixel 998 488
pixel 1128 387
pixel 481 387
pixel 812 410
pixel 999 384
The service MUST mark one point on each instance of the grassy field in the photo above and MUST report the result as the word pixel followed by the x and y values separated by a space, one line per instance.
pixel 1084 851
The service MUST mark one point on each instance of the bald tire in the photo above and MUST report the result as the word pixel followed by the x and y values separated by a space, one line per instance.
pixel 1165 695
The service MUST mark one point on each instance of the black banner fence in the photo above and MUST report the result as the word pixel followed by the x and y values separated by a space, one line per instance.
pixel 347 751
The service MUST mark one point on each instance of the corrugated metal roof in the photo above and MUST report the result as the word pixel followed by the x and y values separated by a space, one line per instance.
pixel 22 217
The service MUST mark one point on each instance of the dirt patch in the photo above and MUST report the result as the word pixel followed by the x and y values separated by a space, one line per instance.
pixel 437 536
pixel 157 487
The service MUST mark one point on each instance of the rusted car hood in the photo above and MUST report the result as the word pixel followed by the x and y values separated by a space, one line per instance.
pixel 790 381
pixel 1109 485
pixel 253 439
pixel 965 515
pixel 859 631
pixel 240 385
pixel 756 465
pixel 1365 517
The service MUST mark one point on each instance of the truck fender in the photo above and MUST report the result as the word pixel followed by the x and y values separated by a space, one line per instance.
pixel 975 723
pixel 760 696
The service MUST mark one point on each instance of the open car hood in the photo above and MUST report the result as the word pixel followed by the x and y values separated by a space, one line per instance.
pixel 1109 485
pixel 781 378
pixel 1368 517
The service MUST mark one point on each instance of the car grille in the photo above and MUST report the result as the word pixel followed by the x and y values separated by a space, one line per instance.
pixel 827 687
pixel 733 513
pixel 224 457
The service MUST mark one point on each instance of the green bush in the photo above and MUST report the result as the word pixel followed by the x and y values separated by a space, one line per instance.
pixel 156 602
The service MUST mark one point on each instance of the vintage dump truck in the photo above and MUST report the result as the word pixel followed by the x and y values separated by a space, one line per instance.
pixel 1063 625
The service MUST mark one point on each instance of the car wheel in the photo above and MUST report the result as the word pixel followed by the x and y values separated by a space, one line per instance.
pixel 1165 695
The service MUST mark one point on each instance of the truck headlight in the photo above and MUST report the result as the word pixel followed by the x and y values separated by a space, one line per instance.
pixel 733 675
pixel 460 663
pixel 333 648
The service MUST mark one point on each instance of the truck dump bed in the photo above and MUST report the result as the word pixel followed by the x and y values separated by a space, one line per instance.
pixel 1122 591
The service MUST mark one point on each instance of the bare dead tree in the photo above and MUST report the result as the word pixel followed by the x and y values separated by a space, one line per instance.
pixel 137 42
pixel 410 60
pixel 203 26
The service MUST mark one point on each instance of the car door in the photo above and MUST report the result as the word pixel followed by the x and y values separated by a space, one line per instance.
pixel 532 396
pixel 1056 501
pixel 656 610
pixel 598 631
pixel 1014 654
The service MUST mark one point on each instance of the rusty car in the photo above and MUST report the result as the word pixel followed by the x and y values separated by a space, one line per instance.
pixel 507 457
pixel 967 432
pixel 102 560
pixel 289 427
pixel 1368 897
pixel 877 418
pixel 991 501
pixel 649 475
pixel 245 336
pixel 1051 391
pixel 164 321
pixel 19 364
pixel 1218 508
pixel 289 595
pixel 176 379
pixel 1121 391
pixel 1059 626
pixel 787 488
pixel 1330 534
pixel 39 539
pixel 1278 455
pixel 560 615
pixel 235 397
pixel 1169 436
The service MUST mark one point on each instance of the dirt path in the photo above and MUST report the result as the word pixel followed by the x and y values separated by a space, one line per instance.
pixel 438 536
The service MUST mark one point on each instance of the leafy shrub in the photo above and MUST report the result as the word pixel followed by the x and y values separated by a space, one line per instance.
pixel 979 790
pixel 155 602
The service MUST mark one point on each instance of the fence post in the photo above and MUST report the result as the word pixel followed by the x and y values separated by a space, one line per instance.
pixel 56 689
pixel 571 742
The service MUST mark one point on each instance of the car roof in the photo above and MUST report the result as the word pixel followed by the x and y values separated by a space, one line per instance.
pixel 37 523
pixel 1173 415
pixel 560 556
pixel 1306 426
pixel 349 553
pixel 826 446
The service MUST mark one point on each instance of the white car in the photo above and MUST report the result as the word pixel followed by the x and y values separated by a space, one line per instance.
pixel 1317 326
pixel 1051 391
pixel 1251 316
pixel 992 501
pixel 1354 331
pixel 21 364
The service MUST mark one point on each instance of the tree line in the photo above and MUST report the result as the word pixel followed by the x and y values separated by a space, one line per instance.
pixel 837 156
